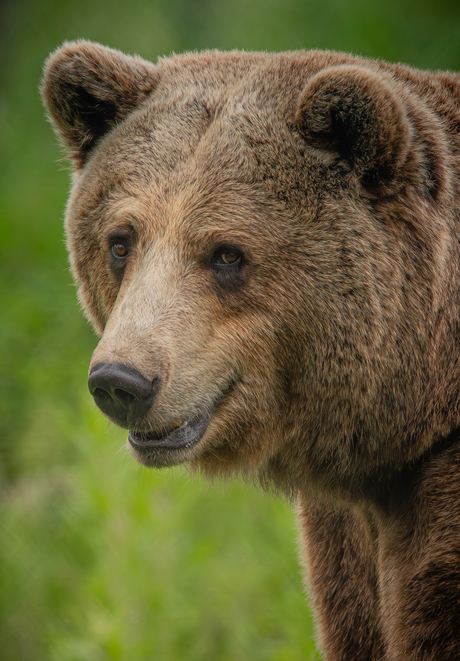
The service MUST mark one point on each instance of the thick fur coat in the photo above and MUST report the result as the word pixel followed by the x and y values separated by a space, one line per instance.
pixel 268 246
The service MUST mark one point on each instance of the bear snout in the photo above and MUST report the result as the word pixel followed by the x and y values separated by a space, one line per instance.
pixel 122 392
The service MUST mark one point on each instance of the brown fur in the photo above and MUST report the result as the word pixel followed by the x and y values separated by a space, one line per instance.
pixel 329 362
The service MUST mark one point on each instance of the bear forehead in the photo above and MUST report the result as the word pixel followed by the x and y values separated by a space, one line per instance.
pixel 209 137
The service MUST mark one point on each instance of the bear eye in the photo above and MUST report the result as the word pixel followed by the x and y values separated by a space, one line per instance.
pixel 227 264
pixel 119 250
pixel 227 257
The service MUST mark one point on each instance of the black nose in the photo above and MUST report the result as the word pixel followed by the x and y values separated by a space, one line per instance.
pixel 122 393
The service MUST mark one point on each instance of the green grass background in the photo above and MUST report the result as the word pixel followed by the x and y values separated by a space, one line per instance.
pixel 99 558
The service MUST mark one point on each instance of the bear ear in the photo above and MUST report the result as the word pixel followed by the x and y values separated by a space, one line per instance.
pixel 354 113
pixel 88 89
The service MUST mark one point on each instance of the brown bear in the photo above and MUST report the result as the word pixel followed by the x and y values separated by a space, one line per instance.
pixel 268 246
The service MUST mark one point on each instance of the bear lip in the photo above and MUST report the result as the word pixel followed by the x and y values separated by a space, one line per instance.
pixel 187 434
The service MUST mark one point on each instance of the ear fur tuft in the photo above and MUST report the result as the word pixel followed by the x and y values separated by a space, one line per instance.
pixel 351 111
pixel 88 89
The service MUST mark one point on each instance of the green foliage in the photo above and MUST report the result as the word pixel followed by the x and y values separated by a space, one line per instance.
pixel 99 559
pixel 106 560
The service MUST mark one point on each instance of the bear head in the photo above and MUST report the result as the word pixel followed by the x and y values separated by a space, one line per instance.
pixel 265 245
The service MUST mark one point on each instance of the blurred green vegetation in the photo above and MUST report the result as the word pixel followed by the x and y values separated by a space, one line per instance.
pixel 100 559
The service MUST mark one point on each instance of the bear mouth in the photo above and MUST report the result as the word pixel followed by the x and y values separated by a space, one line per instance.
pixel 166 447
pixel 179 437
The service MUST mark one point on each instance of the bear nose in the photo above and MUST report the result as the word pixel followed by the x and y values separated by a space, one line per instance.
pixel 121 392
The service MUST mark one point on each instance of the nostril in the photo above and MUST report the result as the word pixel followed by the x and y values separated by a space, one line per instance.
pixel 124 397
pixel 100 393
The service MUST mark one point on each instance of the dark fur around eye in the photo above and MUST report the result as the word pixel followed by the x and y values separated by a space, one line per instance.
pixel 227 264
pixel 119 246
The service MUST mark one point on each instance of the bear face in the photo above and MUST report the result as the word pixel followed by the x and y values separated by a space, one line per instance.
pixel 266 245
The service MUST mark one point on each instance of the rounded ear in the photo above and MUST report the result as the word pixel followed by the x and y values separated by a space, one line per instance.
pixel 88 89
pixel 354 113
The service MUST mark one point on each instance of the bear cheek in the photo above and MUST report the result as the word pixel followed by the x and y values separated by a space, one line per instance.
pixel 97 293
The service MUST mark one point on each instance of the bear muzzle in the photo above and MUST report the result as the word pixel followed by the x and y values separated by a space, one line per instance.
pixel 126 396
pixel 122 393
